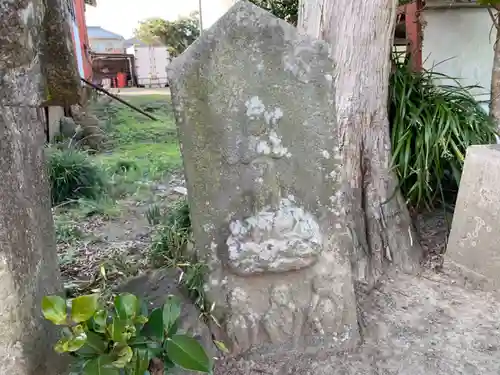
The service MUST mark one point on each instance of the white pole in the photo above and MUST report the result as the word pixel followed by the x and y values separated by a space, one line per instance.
pixel 201 15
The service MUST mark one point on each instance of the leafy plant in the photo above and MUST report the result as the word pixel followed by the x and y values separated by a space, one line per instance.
pixel 153 215
pixel 177 35
pixel 124 166
pixel 74 176
pixel 174 232
pixel 124 339
pixel 432 125
pixel 287 10
pixel 170 249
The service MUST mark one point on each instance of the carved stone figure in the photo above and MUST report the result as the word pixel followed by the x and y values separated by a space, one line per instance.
pixel 252 101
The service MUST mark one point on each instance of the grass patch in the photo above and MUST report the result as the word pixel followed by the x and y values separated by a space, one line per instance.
pixel 133 139
pixel 171 248
pixel 74 176
pixel 67 231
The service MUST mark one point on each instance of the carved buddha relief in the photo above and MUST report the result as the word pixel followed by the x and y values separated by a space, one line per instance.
pixel 280 235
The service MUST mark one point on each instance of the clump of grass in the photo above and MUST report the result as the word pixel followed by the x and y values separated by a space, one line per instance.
pixel 170 249
pixel 67 231
pixel 125 166
pixel 173 234
pixel 432 125
pixel 103 205
pixel 154 215
pixel 74 176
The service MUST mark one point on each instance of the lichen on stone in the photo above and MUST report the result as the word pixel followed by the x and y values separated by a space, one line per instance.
pixel 281 240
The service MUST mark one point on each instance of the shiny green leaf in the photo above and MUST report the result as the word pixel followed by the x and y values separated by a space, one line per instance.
pixel 95 344
pixel 118 330
pixel 84 307
pixel 186 352
pixel 122 354
pixel 126 306
pixel 100 320
pixel 101 365
pixel 221 346
pixel 154 326
pixel 141 319
pixel 171 312
pixel 54 309
pixel 140 361
pixel 69 344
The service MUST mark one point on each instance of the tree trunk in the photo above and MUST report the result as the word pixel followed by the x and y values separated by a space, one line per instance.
pixel 28 257
pixel 361 33
pixel 495 75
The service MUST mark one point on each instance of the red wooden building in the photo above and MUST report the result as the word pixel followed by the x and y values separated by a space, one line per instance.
pixel 80 36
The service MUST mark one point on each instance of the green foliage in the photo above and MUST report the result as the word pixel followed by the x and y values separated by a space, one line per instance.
pixel 66 231
pixel 173 234
pixel 170 248
pixel 431 127
pixel 287 10
pixel 73 176
pixel 154 215
pixel 491 3
pixel 122 339
pixel 177 35
pixel 125 166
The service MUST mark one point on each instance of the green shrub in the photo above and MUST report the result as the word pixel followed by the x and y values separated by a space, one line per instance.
pixel 154 215
pixel 170 249
pixel 74 176
pixel 431 127
pixel 124 339
pixel 173 233
pixel 124 166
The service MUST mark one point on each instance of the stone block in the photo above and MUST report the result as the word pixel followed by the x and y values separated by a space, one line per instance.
pixel 474 241
pixel 253 103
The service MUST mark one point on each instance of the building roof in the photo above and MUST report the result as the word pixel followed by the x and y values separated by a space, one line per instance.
pixel 97 32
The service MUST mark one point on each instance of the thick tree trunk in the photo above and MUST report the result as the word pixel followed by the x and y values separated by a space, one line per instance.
pixel 36 67
pixel 495 75
pixel 361 34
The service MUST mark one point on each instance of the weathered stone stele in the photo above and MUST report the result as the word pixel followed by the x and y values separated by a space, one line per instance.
pixel 253 105
pixel 474 241
pixel 37 58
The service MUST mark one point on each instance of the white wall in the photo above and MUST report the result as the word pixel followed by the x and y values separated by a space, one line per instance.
pixel 459 43
pixel 107 45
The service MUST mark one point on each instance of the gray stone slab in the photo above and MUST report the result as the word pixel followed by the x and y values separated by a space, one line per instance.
pixel 253 102
pixel 474 241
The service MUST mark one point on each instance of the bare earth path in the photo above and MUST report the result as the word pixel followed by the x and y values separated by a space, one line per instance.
pixel 426 325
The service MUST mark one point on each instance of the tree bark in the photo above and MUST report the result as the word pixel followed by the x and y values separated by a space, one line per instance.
pixel 360 33
pixel 28 257
pixel 495 73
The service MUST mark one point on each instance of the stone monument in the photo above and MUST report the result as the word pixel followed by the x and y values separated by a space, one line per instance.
pixel 253 103
pixel 474 241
